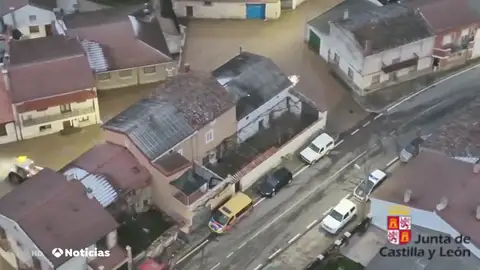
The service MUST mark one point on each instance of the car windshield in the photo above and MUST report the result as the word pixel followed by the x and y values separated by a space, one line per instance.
pixel 366 188
pixel 314 147
pixel 336 215
pixel 272 181
pixel 220 218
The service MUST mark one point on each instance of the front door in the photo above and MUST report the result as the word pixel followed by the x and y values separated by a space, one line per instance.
pixel 67 124
pixel 48 30
pixel 189 11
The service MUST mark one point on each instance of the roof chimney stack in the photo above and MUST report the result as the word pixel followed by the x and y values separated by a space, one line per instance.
pixel 407 196
pixel 443 204
pixel 90 193
pixel 345 14
pixel 477 214
pixel 368 46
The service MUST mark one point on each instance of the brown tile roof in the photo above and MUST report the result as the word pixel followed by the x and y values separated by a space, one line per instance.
pixel 56 213
pixel 445 15
pixel 115 162
pixel 171 163
pixel 40 104
pixel 431 176
pixel 6 112
pixel 124 46
pixel 45 67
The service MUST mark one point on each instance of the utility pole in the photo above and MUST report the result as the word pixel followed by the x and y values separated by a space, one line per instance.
pixel 366 172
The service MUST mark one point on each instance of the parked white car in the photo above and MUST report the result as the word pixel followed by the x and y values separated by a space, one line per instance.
pixel 318 148
pixel 365 188
pixel 339 216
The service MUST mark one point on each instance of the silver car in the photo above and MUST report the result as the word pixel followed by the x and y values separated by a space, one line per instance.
pixel 411 150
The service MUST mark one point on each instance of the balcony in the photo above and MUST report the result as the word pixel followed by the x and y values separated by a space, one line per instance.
pixel 57 117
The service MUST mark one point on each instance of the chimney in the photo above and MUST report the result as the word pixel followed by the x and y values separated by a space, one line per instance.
pixel 367 46
pixel 407 196
pixel 443 204
pixel 477 214
pixel 186 66
pixel 90 193
pixel 345 14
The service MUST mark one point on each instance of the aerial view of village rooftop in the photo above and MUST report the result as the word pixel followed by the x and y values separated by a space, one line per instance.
pixel 240 135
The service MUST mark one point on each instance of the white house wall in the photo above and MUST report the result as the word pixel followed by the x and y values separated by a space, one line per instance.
pixel 22 18
pixel 249 125
pixel 11 136
pixel 426 219
pixel 476 45
pixel 223 10
pixel 56 126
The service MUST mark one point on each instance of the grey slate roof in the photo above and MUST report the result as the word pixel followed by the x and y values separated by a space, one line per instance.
pixel 386 27
pixel 154 126
pixel 252 80
pixel 321 23
pixel 437 263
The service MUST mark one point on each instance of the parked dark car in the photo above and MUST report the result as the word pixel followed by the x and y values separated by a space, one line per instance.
pixel 411 150
pixel 275 181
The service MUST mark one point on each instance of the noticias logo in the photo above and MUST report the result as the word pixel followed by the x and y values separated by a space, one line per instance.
pixel 58 252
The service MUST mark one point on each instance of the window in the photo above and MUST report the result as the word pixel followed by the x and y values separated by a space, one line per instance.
pixel 3 130
pixel 395 60
pixel 207 3
pixel 350 73
pixel 209 136
pixel 45 128
pixel 447 39
pixel 375 79
pixel 125 73
pixel 32 18
pixel 145 202
pixel 149 70
pixel 336 58
pixel 19 244
pixel 64 108
pixel 84 119
pixel 34 29
pixel 103 76
pixel 170 71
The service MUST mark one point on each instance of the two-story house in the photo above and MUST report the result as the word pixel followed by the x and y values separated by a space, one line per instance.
pixel 186 119
pixel 379 47
pixel 51 84
pixel 133 43
pixel 34 18
pixel 117 166
pixel 455 24
pixel 50 212
pixel 262 92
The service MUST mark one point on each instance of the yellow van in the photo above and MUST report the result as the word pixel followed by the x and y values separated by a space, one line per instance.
pixel 231 212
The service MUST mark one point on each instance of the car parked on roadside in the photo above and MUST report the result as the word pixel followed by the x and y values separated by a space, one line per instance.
pixel 339 216
pixel 411 150
pixel 275 181
pixel 365 188
pixel 318 148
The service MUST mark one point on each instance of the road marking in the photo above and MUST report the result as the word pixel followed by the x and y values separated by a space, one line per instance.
pixel 293 239
pixel 430 86
pixel 324 184
pixel 311 224
pixel 328 210
pixel 340 142
pixel 347 196
pixel 215 266
pixel 193 251
pixel 391 162
pixel 366 124
pixel 229 254
pixel 258 267
pixel 356 130
pixel 378 116
pixel 274 254
pixel 301 170
pixel 259 201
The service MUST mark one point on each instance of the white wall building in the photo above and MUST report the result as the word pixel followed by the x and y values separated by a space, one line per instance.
pixel 262 10
pixel 371 50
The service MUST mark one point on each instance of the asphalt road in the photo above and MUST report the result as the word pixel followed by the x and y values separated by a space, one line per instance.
pixel 274 222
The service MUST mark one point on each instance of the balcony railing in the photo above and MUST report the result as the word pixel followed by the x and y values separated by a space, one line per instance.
pixel 56 117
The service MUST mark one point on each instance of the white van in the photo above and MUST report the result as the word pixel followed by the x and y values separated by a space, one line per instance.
pixel 317 148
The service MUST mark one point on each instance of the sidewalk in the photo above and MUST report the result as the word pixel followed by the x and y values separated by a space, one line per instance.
pixel 381 99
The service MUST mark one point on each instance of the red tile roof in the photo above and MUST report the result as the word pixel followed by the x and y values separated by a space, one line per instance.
pixel 6 112
pixel 46 67
pixel 431 176
pixel 120 167
pixel 40 104
pixel 56 213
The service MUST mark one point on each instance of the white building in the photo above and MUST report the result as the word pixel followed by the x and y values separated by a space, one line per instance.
pixel 371 47
pixel 260 89
pixel 50 86
pixel 48 212
pixel 262 10
pixel 438 192
pixel 34 17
